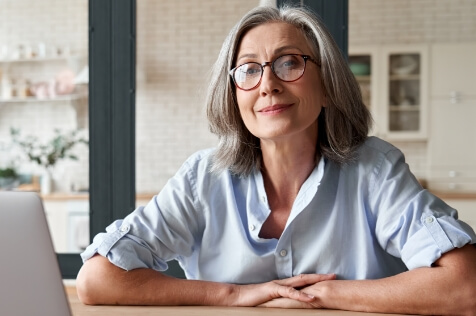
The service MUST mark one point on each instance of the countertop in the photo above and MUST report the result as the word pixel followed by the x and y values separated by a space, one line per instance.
pixel 455 195
pixel 79 309
pixel 63 196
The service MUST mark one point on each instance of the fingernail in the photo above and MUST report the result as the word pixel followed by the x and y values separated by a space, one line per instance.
pixel 310 296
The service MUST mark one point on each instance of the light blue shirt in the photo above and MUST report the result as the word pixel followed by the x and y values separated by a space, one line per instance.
pixel 364 220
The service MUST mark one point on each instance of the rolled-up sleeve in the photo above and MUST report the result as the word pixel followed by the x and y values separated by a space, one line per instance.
pixel 163 230
pixel 123 249
pixel 412 223
pixel 437 234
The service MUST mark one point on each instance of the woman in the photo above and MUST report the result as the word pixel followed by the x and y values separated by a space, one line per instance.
pixel 296 207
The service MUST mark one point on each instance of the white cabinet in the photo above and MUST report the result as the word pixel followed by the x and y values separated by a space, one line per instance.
pixel 397 85
pixel 452 146
pixel 68 221
pixel 453 71
pixel 466 210
pixel 363 63
pixel 404 92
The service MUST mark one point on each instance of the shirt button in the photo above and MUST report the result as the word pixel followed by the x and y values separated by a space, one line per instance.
pixel 263 198
pixel 283 253
pixel 429 220
pixel 252 227
pixel 124 228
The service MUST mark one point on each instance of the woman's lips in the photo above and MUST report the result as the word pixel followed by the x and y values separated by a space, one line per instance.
pixel 275 108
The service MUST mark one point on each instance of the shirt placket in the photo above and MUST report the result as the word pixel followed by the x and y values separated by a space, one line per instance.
pixel 283 255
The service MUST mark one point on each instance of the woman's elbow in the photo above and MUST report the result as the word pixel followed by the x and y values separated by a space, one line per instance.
pixel 91 282
pixel 84 288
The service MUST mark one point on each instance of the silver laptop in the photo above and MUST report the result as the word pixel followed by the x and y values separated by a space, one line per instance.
pixel 30 279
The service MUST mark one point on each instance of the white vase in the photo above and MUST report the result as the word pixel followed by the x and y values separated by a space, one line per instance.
pixel 46 183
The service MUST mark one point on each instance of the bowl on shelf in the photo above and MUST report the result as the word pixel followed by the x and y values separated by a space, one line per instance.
pixel 360 69
pixel 404 65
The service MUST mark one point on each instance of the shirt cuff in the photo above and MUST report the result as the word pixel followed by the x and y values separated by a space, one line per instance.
pixel 436 237
pixel 122 251
pixel 103 242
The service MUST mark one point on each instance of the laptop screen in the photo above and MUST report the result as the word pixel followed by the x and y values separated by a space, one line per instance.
pixel 31 281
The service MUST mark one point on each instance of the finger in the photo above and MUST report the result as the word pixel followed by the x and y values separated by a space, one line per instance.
pixel 286 303
pixel 292 293
pixel 306 279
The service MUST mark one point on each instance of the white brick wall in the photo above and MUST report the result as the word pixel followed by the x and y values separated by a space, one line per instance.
pixel 411 21
pixel 177 43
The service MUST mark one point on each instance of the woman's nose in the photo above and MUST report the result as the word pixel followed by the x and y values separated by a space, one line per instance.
pixel 269 82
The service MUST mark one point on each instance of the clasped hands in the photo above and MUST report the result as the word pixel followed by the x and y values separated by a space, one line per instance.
pixel 295 292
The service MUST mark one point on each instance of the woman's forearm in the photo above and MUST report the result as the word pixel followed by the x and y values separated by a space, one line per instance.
pixel 99 282
pixel 449 288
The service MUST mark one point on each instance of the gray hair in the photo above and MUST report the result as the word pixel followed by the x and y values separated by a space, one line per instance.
pixel 343 124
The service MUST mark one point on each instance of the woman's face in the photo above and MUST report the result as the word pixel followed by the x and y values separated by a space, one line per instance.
pixel 277 110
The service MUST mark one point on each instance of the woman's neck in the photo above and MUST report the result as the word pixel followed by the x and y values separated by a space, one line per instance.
pixel 287 165
pixel 284 169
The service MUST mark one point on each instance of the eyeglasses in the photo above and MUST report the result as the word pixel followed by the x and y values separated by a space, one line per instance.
pixel 287 68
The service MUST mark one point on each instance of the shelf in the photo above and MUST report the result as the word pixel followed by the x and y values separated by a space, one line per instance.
pixel 69 97
pixel 404 77
pixel 39 59
pixel 363 78
pixel 400 108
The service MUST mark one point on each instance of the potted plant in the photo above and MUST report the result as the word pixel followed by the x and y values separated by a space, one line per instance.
pixel 46 155
pixel 8 178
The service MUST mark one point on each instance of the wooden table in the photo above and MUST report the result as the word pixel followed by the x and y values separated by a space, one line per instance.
pixel 79 309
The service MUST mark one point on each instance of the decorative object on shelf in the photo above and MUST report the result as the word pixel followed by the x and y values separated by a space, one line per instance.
pixel 25 52
pixel 82 78
pixel 403 64
pixel 360 69
pixel 62 85
pixel 6 88
pixel 46 182
pixel 48 154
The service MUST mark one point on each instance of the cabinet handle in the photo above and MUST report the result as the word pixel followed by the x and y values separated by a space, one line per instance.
pixel 455 97
pixel 452 174
pixel 452 186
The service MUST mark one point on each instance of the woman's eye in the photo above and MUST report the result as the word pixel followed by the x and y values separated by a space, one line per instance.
pixel 253 71
pixel 288 63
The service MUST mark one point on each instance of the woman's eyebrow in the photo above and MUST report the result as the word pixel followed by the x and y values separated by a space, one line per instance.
pixel 284 48
pixel 276 52
pixel 246 56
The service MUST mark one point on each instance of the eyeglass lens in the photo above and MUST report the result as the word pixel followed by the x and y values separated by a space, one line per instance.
pixel 287 68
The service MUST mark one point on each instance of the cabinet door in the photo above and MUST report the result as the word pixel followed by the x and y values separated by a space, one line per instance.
pixel 363 62
pixel 453 71
pixel 453 134
pixel 404 92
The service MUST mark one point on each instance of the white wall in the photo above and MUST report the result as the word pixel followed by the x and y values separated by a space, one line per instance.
pixel 411 21
pixel 177 43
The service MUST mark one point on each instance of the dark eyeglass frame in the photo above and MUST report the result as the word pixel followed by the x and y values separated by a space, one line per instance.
pixel 271 65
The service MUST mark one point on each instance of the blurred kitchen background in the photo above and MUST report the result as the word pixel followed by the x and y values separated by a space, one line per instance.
pixel 414 59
